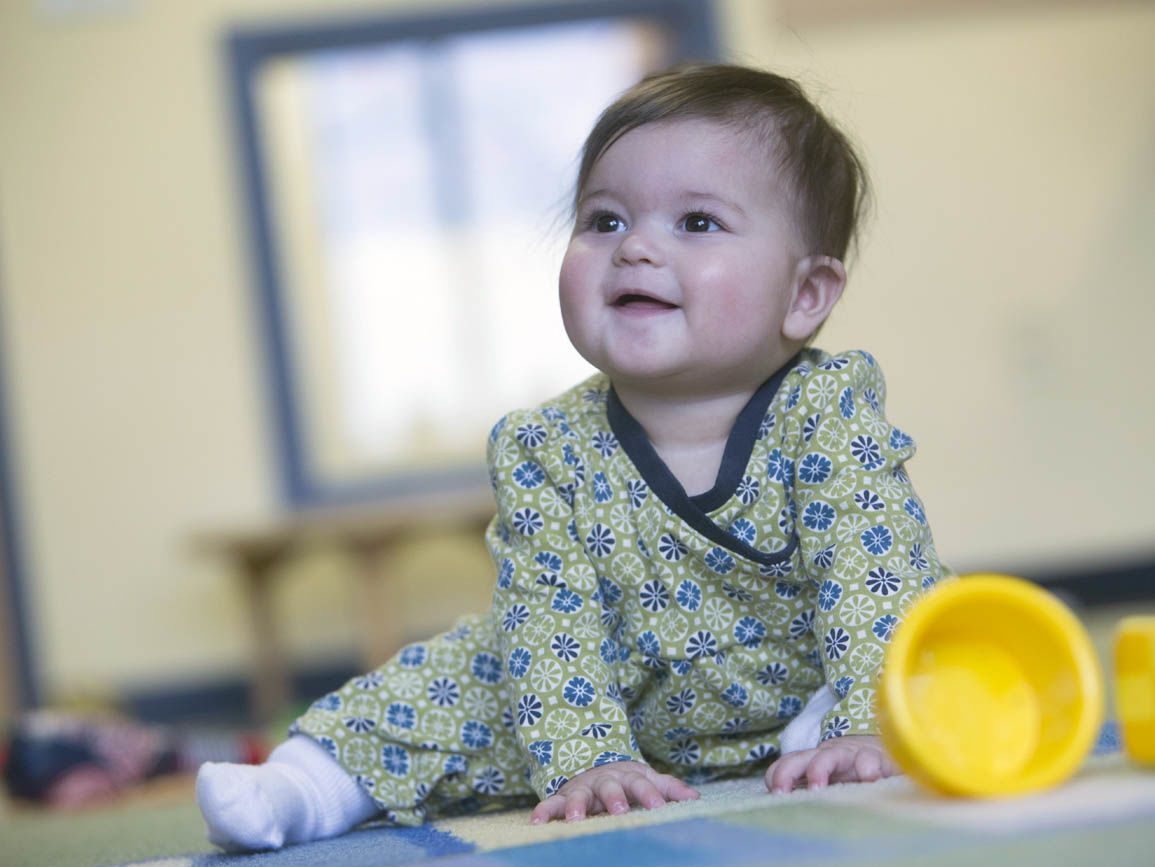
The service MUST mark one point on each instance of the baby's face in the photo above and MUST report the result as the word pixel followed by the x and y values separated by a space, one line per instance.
pixel 683 261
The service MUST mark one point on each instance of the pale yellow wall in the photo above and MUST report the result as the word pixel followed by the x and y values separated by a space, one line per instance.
pixel 1006 283
pixel 1013 159
pixel 131 343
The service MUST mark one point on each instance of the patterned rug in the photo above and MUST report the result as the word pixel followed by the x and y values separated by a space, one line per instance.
pixel 1104 816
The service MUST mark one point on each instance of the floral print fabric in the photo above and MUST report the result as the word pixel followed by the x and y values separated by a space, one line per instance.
pixel 631 621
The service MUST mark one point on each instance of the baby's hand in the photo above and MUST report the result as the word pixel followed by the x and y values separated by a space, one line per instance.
pixel 854 759
pixel 611 789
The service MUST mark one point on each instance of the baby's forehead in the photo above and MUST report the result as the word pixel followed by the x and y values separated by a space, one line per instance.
pixel 755 129
pixel 726 141
pixel 754 134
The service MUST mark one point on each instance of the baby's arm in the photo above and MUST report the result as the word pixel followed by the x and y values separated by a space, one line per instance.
pixel 611 789
pixel 555 633
pixel 853 759
pixel 869 551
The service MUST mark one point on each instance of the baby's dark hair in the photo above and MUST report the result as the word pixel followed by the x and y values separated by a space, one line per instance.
pixel 827 179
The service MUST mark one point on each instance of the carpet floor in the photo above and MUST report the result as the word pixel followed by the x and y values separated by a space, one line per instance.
pixel 1105 816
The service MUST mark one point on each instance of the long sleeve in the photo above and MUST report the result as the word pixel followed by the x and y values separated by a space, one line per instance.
pixel 553 630
pixel 865 541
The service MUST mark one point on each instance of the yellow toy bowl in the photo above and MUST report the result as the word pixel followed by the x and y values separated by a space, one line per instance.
pixel 990 687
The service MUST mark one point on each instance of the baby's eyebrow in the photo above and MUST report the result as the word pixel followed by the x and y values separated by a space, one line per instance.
pixel 687 200
pixel 692 198
pixel 600 193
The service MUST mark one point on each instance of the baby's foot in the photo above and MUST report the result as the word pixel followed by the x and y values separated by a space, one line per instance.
pixel 240 811
pixel 300 794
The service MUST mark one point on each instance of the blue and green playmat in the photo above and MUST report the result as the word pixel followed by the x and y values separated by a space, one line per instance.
pixel 1104 815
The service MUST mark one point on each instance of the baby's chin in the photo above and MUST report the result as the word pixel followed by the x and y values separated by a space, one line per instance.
pixel 692 378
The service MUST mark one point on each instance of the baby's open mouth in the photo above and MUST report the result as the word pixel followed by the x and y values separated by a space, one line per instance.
pixel 638 301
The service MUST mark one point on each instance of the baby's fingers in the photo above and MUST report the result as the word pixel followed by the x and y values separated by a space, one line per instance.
pixel 572 806
pixel 673 789
pixel 577 804
pixel 828 763
pixel 784 774
pixel 612 789
pixel 845 764
pixel 868 765
pixel 612 797
pixel 649 789
pixel 551 808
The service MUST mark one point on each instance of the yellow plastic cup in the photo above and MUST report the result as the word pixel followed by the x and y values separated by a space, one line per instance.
pixel 1135 687
pixel 990 687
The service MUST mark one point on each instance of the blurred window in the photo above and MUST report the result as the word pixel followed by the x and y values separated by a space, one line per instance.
pixel 411 195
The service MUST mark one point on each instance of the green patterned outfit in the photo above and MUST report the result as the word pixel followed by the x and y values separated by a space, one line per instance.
pixel 632 621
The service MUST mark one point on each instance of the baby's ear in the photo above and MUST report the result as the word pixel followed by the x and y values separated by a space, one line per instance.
pixel 818 284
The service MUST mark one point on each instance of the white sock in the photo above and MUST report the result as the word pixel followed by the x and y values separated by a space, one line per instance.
pixel 805 730
pixel 300 794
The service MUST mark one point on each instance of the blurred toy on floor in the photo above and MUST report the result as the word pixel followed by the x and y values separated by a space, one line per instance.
pixel 70 760
pixel 1135 687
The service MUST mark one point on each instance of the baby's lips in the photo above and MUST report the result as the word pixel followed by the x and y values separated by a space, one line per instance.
pixel 639 297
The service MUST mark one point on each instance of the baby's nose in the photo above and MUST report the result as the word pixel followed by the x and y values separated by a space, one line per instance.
pixel 638 246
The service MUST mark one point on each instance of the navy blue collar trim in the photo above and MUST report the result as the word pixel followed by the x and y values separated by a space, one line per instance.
pixel 735 459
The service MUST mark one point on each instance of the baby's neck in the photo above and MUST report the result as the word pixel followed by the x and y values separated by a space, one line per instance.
pixel 689 434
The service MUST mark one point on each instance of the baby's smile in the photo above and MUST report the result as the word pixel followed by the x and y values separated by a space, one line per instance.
pixel 641 303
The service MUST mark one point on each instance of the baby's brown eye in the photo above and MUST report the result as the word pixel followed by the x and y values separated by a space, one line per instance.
pixel 607 223
pixel 698 223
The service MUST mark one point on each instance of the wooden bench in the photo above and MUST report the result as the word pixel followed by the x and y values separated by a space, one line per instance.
pixel 370 536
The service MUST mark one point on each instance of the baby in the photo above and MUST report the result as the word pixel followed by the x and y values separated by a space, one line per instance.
pixel 701 551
